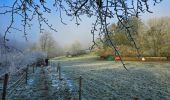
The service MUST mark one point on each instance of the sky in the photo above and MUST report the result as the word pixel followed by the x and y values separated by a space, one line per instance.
pixel 68 34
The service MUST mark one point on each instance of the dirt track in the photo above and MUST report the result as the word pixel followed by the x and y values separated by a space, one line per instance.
pixel 41 87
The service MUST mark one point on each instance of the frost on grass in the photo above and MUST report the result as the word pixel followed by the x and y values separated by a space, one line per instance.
pixel 109 80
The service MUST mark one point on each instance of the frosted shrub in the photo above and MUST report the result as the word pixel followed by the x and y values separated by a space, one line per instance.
pixel 12 60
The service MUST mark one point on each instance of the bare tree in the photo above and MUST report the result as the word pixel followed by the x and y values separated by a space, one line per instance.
pixel 75 48
pixel 48 44
pixel 44 41
pixel 157 36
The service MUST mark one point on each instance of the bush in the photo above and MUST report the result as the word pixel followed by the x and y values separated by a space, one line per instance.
pixel 165 54
pixel 104 52
pixel 127 51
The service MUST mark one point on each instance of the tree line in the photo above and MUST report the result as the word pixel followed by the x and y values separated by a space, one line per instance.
pixel 152 37
pixel 48 44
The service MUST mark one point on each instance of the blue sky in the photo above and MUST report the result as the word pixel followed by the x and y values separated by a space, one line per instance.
pixel 69 33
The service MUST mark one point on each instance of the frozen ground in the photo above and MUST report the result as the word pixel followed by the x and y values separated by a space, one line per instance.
pixel 42 85
pixel 104 80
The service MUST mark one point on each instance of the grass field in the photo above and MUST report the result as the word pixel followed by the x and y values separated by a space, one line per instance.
pixel 104 80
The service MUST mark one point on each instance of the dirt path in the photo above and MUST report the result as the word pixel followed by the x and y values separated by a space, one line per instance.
pixel 36 89
pixel 40 87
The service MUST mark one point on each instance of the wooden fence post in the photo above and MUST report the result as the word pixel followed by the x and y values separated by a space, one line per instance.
pixel 26 75
pixel 36 66
pixel 135 98
pixel 80 85
pixel 50 63
pixel 59 70
pixel 5 86
pixel 33 68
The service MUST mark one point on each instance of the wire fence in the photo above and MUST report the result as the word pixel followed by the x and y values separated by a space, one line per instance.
pixel 75 89
pixel 9 82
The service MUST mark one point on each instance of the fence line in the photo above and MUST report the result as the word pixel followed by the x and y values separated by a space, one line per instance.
pixel 16 84
pixel 5 83
pixel 7 91
pixel 78 78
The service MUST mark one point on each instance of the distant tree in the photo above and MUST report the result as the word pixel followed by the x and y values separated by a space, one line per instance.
pixel 120 39
pixel 134 25
pixel 44 41
pixel 152 38
pixel 48 44
pixel 119 36
pixel 75 48
pixel 34 47
pixel 157 36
